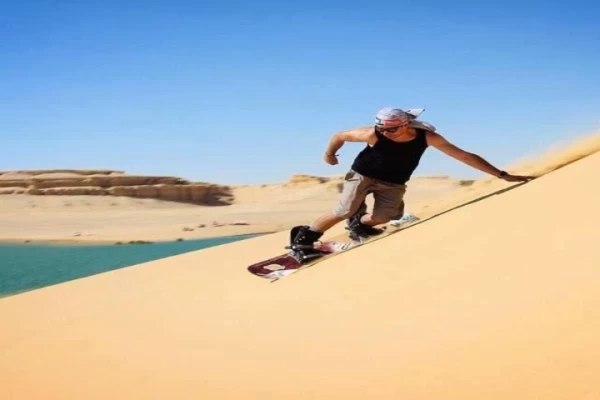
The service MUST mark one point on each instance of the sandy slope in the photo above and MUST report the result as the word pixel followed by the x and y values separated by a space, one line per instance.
pixel 495 300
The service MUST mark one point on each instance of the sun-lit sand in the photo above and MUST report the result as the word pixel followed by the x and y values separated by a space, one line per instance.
pixel 495 295
pixel 254 209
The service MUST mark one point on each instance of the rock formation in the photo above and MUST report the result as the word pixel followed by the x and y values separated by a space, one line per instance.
pixel 112 183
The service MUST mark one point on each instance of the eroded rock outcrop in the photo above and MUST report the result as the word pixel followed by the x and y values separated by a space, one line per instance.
pixel 308 179
pixel 200 193
pixel 112 183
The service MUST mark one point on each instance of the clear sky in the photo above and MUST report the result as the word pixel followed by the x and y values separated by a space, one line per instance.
pixel 251 91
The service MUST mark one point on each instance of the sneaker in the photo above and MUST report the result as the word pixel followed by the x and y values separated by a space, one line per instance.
pixel 403 220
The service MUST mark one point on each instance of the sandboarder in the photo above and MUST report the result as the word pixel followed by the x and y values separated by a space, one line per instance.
pixel 394 147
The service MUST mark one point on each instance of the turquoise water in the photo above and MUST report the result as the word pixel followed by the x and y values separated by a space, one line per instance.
pixel 26 267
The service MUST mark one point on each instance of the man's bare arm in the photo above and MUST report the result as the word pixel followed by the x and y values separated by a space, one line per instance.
pixel 355 135
pixel 473 160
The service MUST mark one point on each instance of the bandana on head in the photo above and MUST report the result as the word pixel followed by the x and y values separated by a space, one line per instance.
pixel 391 117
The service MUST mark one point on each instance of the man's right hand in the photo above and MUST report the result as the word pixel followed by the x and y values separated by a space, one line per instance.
pixel 331 159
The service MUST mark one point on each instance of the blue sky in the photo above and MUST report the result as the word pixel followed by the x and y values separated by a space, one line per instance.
pixel 251 92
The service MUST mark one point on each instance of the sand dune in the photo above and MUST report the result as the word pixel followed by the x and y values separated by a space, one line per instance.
pixel 497 299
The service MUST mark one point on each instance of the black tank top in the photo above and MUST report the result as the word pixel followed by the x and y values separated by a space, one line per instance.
pixel 391 161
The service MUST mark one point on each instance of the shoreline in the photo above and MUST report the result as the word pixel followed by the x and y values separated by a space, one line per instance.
pixel 116 242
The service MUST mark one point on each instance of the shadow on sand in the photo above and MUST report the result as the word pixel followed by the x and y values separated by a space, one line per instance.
pixel 497 192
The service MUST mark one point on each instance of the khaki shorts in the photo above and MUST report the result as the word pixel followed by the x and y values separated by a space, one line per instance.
pixel 389 197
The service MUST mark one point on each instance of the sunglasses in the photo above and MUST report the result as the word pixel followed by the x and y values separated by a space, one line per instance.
pixel 390 130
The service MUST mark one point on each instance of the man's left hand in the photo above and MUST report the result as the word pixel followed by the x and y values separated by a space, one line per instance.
pixel 517 178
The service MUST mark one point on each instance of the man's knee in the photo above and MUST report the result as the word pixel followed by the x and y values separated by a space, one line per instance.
pixel 346 210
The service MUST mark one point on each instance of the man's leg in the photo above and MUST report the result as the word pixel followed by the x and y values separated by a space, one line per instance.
pixel 325 222
pixel 362 210
pixel 389 203
pixel 353 194
pixel 372 219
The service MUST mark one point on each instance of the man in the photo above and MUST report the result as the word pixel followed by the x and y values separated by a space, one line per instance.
pixel 394 147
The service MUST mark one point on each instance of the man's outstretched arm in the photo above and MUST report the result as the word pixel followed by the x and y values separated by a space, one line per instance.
pixel 473 160
pixel 337 141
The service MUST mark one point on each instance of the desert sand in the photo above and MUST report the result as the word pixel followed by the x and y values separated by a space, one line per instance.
pixel 494 295
pixel 249 209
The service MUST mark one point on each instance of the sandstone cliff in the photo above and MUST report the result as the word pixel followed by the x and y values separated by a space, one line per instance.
pixel 112 183
pixel 310 179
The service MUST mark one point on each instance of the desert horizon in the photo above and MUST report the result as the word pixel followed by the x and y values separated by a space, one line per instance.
pixel 110 206
pixel 98 217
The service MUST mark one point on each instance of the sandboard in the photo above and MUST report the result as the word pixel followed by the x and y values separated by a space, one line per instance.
pixel 286 264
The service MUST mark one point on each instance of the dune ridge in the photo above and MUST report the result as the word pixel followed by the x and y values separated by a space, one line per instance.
pixel 558 155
